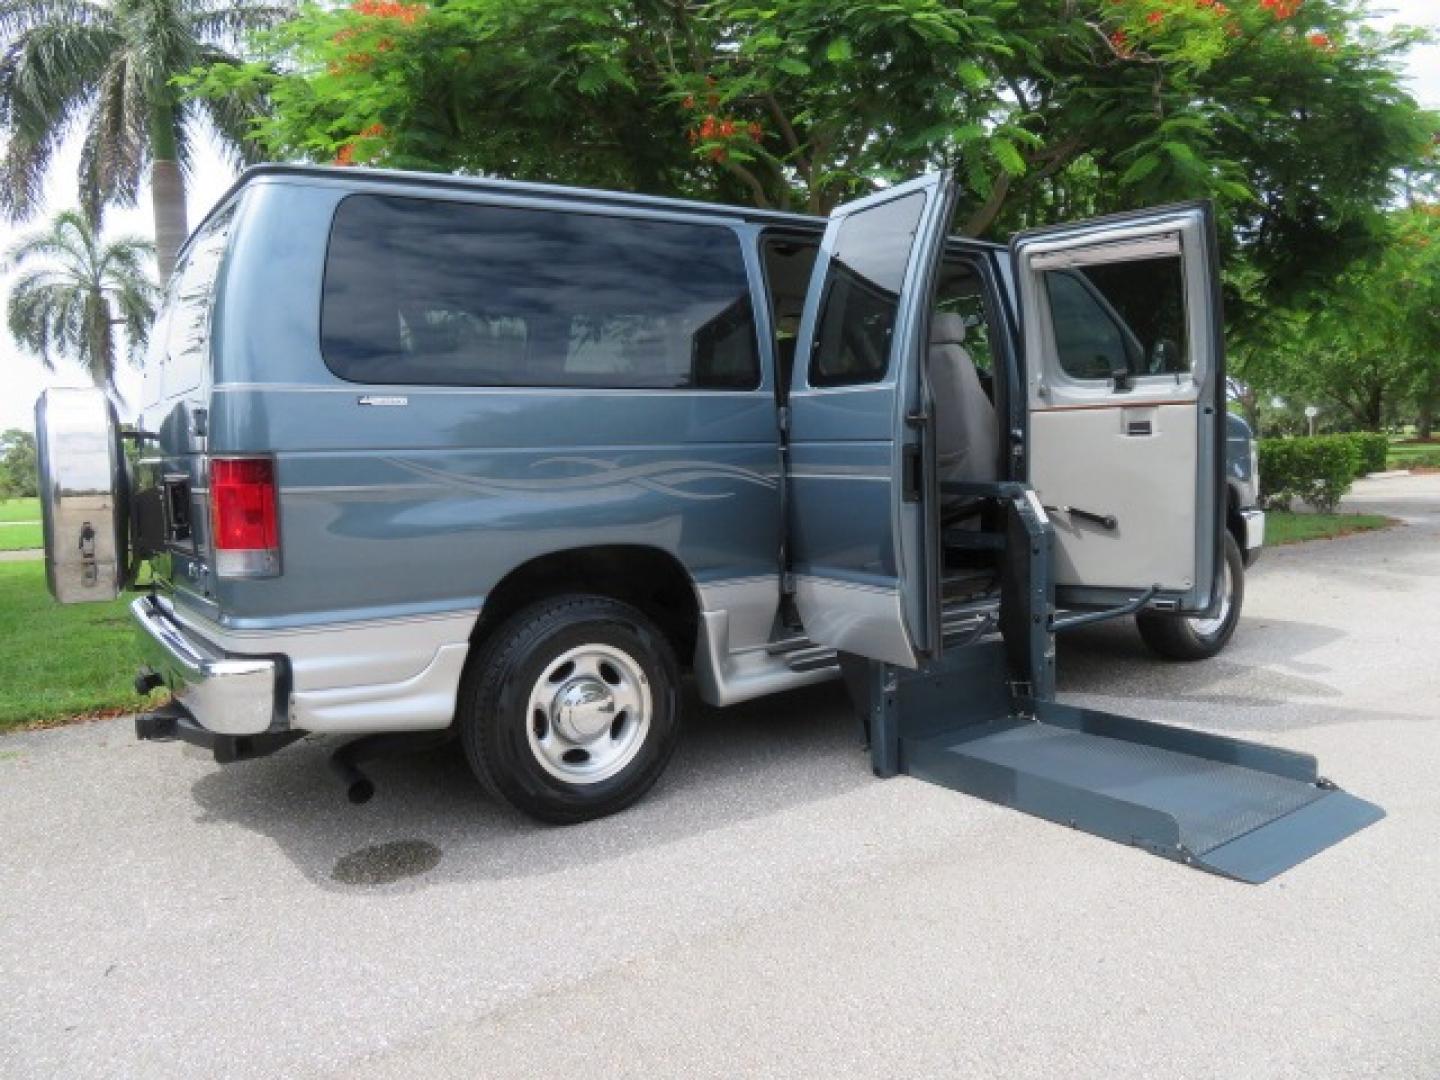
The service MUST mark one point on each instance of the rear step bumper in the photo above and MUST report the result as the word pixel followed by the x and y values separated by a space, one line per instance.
pixel 1234 808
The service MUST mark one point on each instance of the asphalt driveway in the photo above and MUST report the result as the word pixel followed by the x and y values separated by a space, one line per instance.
pixel 772 909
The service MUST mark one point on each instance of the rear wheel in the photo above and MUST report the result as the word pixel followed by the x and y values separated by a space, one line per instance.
pixel 570 710
pixel 1187 637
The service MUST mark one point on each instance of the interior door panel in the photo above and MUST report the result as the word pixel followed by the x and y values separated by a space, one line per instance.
pixel 1124 369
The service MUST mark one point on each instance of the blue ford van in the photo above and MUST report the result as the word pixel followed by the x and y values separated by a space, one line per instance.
pixel 506 462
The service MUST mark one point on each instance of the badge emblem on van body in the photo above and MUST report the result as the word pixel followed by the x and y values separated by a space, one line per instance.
pixel 390 400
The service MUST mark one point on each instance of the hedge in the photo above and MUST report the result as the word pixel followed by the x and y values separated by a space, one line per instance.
pixel 1373 450
pixel 1318 469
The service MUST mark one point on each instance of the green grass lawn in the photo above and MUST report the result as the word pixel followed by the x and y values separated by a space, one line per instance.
pixel 60 662
pixel 1413 455
pixel 1286 527
pixel 19 509
pixel 16 537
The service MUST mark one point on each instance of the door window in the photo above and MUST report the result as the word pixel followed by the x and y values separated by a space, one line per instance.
pixel 862 293
pixel 1122 317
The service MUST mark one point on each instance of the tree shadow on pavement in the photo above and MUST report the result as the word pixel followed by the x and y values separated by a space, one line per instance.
pixel 732 765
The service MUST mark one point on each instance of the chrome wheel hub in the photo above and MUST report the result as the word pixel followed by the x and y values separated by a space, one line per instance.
pixel 589 713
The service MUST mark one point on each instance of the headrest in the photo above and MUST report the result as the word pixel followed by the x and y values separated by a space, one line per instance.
pixel 947 328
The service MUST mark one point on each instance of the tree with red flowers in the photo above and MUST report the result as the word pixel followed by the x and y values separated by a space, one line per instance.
pixel 1289 113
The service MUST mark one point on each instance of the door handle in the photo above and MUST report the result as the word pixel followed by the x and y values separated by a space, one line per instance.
pixel 1105 521
pixel 913 467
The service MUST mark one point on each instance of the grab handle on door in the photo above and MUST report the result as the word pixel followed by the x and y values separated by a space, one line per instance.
pixel 1105 521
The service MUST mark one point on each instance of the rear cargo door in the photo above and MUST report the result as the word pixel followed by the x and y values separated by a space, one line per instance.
pixel 860 444
pixel 1124 366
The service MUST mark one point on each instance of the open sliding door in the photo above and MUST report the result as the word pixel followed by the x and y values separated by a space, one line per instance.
pixel 860 450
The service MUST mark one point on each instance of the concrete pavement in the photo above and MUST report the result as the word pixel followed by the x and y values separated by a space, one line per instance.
pixel 771 909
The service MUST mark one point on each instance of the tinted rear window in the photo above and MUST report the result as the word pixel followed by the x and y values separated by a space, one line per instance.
pixel 424 291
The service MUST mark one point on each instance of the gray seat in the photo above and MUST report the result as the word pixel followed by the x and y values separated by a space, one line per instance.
pixel 966 428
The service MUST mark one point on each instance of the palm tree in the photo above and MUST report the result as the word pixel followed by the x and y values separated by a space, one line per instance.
pixel 110 65
pixel 72 291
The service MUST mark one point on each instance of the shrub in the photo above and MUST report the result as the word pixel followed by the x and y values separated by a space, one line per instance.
pixel 1317 469
pixel 1373 451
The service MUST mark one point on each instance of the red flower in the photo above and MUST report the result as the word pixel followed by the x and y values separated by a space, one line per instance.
pixel 727 128
pixel 1321 41
pixel 346 156
pixel 689 101
pixel 1155 18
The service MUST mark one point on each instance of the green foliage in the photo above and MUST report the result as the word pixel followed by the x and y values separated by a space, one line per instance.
pixel 72 291
pixel 1045 110
pixel 1317 470
pixel 1364 345
pixel 19 475
pixel 1372 451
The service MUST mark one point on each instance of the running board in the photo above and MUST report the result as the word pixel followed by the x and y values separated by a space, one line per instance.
pixel 1234 808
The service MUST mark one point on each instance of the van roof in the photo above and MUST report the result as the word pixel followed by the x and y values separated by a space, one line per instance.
pixel 369 178
pixel 363 178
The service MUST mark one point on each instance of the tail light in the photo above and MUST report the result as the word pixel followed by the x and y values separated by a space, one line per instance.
pixel 244 517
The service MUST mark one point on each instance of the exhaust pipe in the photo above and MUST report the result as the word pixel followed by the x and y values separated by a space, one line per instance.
pixel 345 761
pixel 359 788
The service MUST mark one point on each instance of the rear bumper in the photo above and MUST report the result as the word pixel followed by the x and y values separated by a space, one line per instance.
pixel 222 694
pixel 1254 538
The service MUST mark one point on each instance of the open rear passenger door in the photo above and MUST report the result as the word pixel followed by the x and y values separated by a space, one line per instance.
pixel 860 451
pixel 1124 368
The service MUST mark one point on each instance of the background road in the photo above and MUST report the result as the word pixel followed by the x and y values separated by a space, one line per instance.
pixel 771 909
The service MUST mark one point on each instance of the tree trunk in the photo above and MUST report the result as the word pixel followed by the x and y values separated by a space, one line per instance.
pixel 1427 398
pixel 167 194
pixel 167 189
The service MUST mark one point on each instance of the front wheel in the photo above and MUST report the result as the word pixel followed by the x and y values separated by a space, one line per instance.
pixel 1189 637
pixel 571 709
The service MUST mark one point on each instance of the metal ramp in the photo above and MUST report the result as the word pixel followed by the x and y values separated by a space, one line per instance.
pixel 982 719
pixel 1134 785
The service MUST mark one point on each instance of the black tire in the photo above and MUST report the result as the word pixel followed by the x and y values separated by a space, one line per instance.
pixel 1177 637
pixel 494 716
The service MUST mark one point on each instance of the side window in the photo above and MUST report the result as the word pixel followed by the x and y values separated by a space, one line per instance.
pixel 1120 317
pixel 456 294
pixel 862 293
pixel 184 342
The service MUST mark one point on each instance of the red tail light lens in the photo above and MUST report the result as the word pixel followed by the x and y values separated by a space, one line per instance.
pixel 244 517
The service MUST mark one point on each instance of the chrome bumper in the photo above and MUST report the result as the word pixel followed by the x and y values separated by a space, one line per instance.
pixel 226 695
pixel 1254 533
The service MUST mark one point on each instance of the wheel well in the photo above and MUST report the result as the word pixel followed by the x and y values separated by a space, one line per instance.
pixel 649 578
pixel 1233 521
